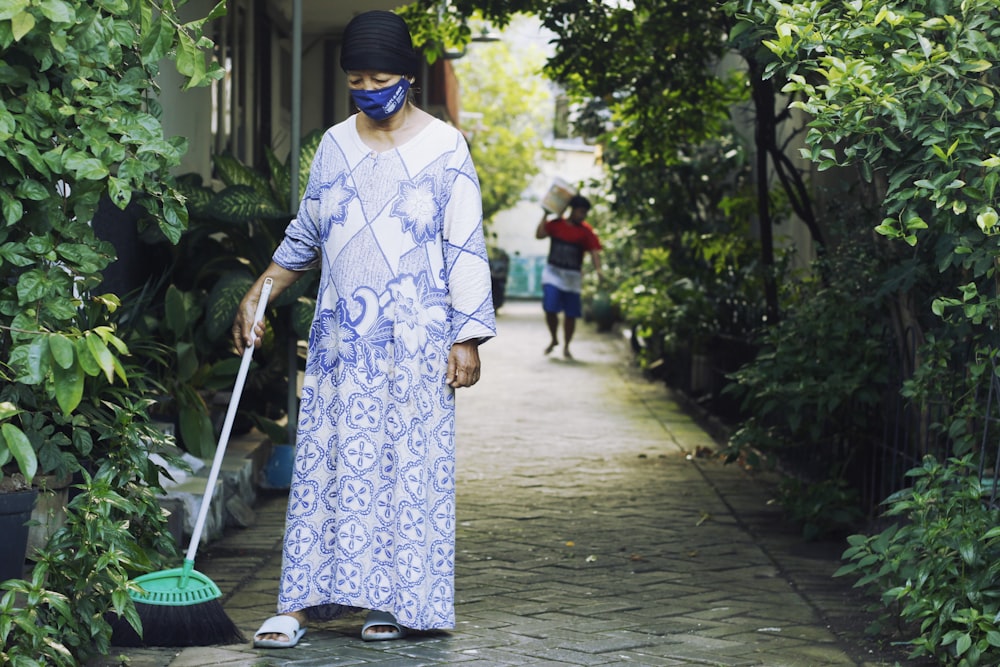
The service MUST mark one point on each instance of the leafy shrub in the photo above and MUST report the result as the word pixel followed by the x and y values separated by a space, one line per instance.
pixel 825 508
pixel 936 571
pixel 114 530
pixel 818 380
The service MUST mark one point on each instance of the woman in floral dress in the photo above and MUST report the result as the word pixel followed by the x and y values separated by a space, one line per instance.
pixel 392 219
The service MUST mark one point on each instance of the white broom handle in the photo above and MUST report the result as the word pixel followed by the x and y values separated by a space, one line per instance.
pixel 227 427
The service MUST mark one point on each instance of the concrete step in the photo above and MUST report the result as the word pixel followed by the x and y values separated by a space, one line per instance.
pixel 233 497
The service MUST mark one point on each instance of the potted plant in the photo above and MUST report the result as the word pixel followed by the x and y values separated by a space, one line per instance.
pixel 17 498
pixel 75 131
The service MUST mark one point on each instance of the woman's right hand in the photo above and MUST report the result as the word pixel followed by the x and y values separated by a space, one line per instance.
pixel 245 331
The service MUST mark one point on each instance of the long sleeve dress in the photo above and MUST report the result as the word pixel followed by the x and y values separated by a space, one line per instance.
pixel 398 239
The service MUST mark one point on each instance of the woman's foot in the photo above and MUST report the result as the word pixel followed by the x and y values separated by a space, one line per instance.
pixel 280 638
pixel 381 626
pixel 551 346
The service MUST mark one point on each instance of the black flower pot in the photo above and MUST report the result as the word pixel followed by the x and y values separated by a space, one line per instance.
pixel 15 511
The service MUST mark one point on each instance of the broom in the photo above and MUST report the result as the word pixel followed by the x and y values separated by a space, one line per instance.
pixel 180 607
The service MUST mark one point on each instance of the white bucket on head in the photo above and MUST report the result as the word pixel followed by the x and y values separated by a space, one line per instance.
pixel 558 196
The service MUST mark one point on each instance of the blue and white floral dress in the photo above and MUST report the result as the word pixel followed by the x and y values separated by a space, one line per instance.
pixel 399 241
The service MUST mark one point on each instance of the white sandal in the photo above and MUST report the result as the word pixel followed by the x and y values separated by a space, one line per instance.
pixel 282 624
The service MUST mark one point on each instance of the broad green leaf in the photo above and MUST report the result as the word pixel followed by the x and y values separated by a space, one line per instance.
pixel 176 311
pixel 976 65
pixel 190 61
pixel 101 354
pixel 21 25
pixel 57 11
pixel 187 361
pixel 222 303
pixel 11 8
pixel 21 449
pixel 114 341
pixel 963 644
pixel 156 40
pixel 119 192
pixel 32 189
pixel 69 387
pixel 85 167
pixel 241 204
pixel 37 360
pixel 120 370
pixel 233 172
pixel 62 350
pixel 196 431
pixel 86 359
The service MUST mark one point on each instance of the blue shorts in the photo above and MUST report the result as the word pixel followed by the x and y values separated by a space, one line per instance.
pixel 555 300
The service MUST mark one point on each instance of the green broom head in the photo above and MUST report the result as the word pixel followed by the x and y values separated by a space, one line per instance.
pixel 178 587
pixel 178 607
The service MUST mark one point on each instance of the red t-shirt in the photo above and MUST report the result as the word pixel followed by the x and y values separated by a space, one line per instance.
pixel 570 242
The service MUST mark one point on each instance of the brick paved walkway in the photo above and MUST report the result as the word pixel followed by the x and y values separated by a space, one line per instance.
pixel 588 535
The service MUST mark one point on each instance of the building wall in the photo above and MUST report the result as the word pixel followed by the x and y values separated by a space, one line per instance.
pixel 251 108
pixel 188 113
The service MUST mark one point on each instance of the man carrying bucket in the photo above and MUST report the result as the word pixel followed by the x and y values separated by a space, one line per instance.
pixel 562 279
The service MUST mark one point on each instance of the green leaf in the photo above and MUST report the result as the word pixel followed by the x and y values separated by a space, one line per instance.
pixel 37 360
pixel 157 40
pixel 57 11
pixel 21 25
pixel 101 354
pixel 233 172
pixel 32 286
pixel 68 386
pixel 175 313
pixel 86 167
pixel 20 447
pixel 963 644
pixel 11 8
pixel 222 303
pixel 187 361
pixel 241 204
pixel 7 410
pixel 33 190
pixel 86 360
pixel 196 431
pixel 174 220
pixel 190 61
pixel 62 350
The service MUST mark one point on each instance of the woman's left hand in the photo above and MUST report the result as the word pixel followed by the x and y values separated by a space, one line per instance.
pixel 463 364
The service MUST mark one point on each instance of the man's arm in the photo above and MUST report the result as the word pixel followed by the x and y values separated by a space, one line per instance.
pixel 595 257
pixel 540 231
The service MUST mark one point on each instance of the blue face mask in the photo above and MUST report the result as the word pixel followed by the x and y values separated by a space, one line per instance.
pixel 384 102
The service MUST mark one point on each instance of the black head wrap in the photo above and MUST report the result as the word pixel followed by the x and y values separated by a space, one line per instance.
pixel 380 41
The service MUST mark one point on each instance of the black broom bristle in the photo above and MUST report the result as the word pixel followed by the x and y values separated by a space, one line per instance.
pixel 202 624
